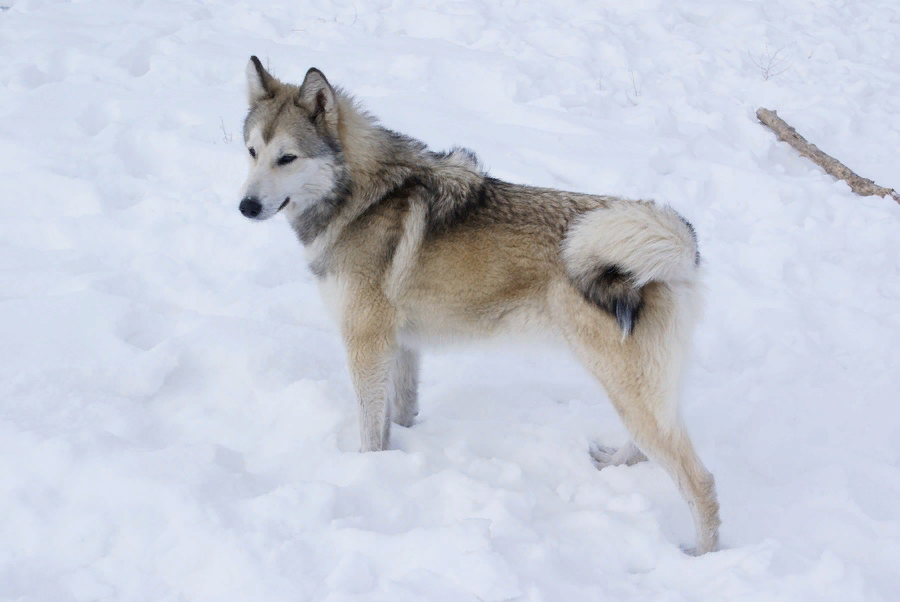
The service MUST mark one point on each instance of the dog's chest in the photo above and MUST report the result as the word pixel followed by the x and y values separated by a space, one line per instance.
pixel 332 290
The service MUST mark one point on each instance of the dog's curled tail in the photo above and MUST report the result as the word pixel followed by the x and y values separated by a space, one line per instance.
pixel 611 253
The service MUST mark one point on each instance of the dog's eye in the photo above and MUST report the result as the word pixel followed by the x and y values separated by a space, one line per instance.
pixel 285 159
pixel 252 152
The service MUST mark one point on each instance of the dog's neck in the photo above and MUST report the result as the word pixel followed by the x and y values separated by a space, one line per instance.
pixel 362 179
pixel 377 158
pixel 380 160
pixel 376 161
pixel 362 139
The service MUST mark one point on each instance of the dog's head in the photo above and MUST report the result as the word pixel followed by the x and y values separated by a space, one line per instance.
pixel 291 135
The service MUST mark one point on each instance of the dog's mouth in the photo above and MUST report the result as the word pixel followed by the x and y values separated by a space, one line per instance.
pixel 284 204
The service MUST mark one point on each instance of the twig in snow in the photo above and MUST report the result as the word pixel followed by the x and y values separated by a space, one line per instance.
pixel 770 64
pixel 225 135
pixel 859 185
pixel 634 86
pixel 334 19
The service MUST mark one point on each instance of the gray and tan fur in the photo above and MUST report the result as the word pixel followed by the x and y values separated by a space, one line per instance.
pixel 414 248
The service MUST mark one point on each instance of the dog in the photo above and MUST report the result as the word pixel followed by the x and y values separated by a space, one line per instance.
pixel 412 248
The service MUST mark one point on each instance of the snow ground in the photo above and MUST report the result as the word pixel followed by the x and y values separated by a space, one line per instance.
pixel 175 418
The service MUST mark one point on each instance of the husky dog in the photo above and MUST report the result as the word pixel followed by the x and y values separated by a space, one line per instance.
pixel 413 247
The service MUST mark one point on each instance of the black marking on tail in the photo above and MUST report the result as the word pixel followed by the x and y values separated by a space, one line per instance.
pixel 626 315
pixel 694 236
pixel 612 289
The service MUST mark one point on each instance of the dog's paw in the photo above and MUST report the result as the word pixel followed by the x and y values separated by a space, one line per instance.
pixel 406 419
pixel 689 550
pixel 697 551
pixel 602 456
pixel 628 455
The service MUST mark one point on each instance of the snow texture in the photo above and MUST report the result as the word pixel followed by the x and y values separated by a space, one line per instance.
pixel 176 421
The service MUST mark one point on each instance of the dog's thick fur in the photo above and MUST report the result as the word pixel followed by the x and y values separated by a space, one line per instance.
pixel 412 247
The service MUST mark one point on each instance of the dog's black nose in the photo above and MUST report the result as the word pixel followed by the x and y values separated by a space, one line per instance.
pixel 250 207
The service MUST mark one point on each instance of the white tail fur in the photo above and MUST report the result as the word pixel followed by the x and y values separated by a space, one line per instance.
pixel 649 241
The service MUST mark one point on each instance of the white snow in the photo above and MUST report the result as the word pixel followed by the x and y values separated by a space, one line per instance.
pixel 176 422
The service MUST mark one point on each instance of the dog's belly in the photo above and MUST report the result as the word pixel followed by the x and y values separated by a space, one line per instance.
pixel 439 324
pixel 476 285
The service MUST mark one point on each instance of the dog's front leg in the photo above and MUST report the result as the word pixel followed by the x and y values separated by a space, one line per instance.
pixel 405 386
pixel 371 345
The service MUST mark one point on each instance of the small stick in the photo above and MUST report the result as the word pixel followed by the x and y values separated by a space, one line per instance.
pixel 858 184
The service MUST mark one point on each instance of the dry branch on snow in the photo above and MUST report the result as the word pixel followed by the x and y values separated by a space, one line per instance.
pixel 858 184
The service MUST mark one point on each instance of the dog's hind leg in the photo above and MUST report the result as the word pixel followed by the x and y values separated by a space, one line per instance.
pixel 405 386
pixel 641 375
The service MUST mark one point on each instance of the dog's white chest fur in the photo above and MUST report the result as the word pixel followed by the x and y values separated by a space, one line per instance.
pixel 332 290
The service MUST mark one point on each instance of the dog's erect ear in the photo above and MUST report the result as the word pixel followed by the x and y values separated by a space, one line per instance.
pixel 260 84
pixel 317 96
